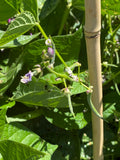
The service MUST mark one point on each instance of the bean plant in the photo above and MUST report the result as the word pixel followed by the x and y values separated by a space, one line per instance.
pixel 45 93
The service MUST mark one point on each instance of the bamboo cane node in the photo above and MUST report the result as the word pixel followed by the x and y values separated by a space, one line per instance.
pixel 91 35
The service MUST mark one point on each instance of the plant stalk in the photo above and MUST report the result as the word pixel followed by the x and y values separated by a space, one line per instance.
pixel 92 36
pixel 46 37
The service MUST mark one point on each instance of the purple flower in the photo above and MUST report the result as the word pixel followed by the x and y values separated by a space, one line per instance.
pixel 9 20
pixel 50 52
pixel 27 77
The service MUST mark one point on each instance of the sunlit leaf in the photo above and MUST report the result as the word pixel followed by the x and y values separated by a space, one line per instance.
pixel 8 73
pixel 21 40
pixel 48 7
pixel 24 22
pixel 8 8
pixel 40 93
pixel 18 151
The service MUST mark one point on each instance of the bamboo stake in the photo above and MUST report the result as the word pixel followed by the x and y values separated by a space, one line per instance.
pixel 92 36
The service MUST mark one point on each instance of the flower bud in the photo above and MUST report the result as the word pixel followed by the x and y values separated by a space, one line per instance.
pixel 50 52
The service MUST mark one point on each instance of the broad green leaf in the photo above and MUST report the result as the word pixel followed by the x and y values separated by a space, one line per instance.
pixel 49 7
pixel 8 8
pixel 17 133
pixel 52 15
pixel 25 116
pixel 31 6
pixel 18 151
pixel 112 7
pixel 19 41
pixel 24 22
pixel 8 73
pixel 64 119
pixel 52 78
pixel 77 88
pixel 111 104
pixel 40 93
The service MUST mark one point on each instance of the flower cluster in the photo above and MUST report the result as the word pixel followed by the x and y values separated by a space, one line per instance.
pixel 70 73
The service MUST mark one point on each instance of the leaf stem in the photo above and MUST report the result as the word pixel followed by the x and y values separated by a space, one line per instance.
pixel 41 30
pixel 59 74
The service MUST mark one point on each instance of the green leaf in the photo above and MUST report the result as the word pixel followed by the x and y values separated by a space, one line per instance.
pixel 62 117
pixel 18 151
pixel 52 78
pixel 112 7
pixel 31 6
pixel 1 33
pixel 40 93
pixel 111 104
pixel 24 22
pixel 49 7
pixel 8 73
pixel 21 40
pixel 52 16
pixel 25 116
pixel 8 8
pixel 5 103
pixel 77 88
pixel 16 133
pixel 66 120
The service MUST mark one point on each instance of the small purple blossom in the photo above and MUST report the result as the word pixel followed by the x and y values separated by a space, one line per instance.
pixel 50 52
pixel 48 42
pixel 9 20
pixel 27 77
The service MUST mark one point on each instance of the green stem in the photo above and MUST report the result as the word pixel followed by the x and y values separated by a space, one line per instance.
pixel 46 37
pixel 84 85
pixel 70 105
pixel 59 74
pixel 61 59
pixel 64 82
pixel 41 30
